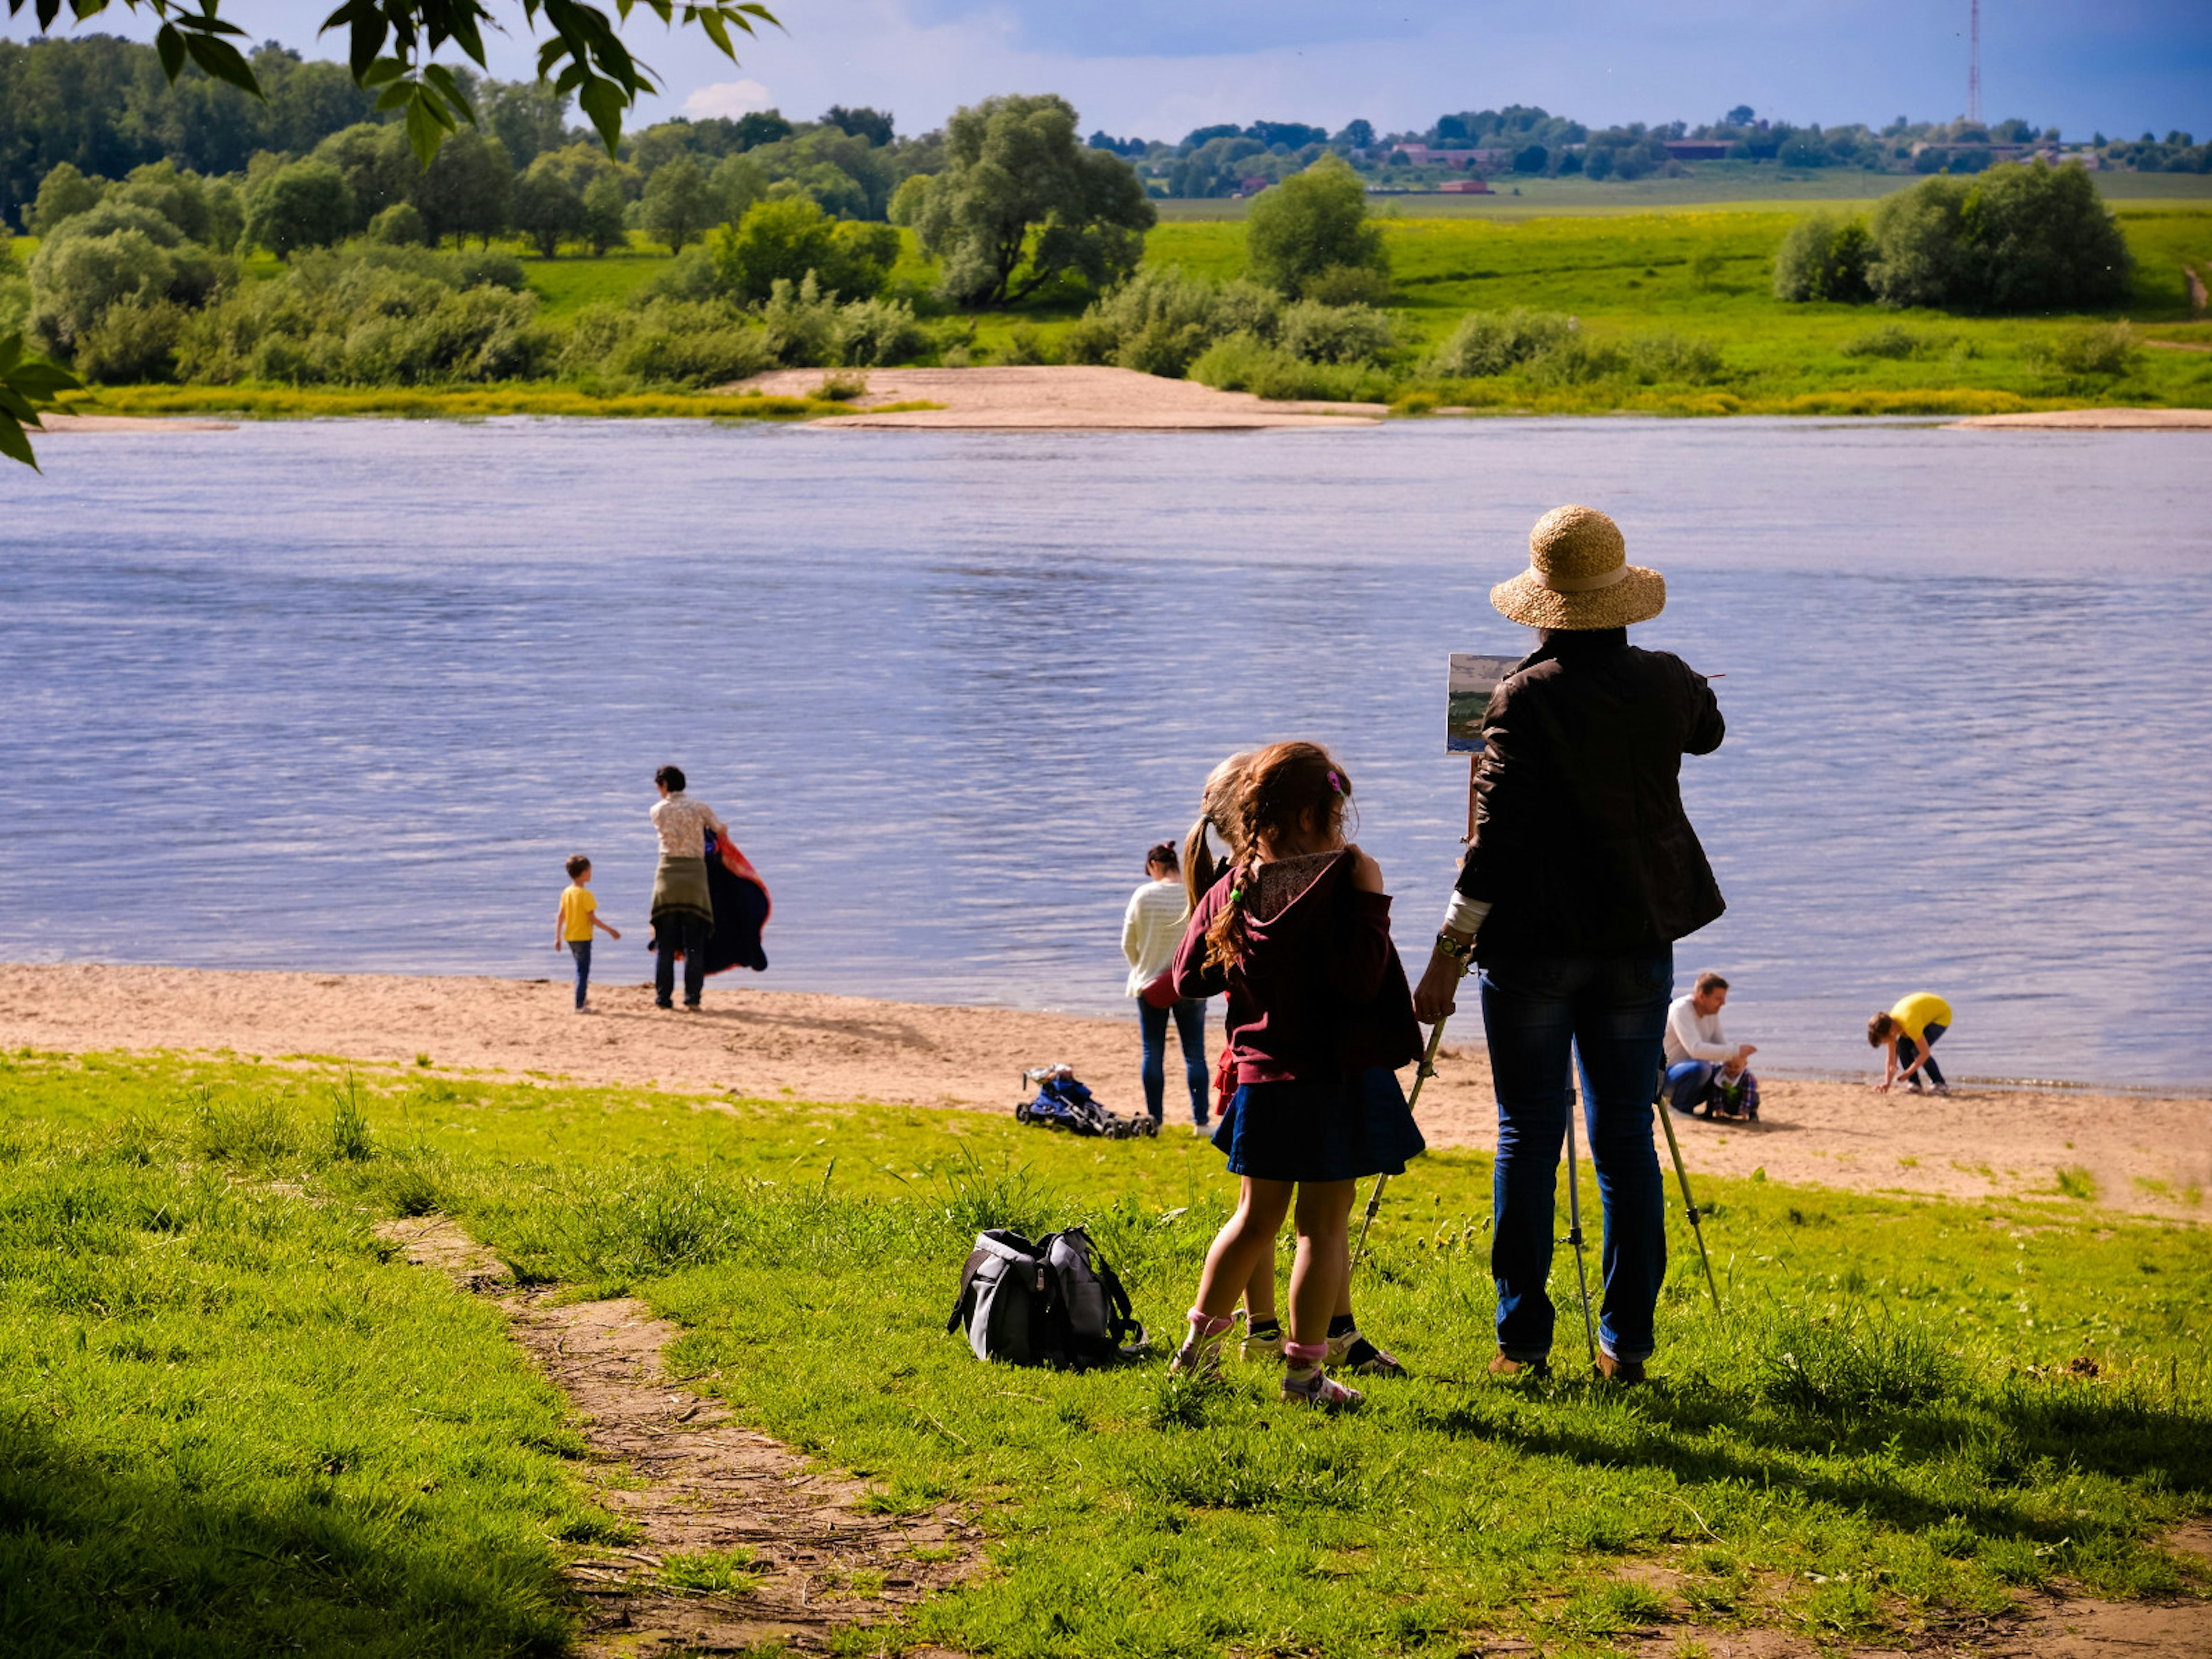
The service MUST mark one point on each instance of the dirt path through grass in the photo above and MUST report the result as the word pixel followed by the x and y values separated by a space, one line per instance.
pixel 739 1543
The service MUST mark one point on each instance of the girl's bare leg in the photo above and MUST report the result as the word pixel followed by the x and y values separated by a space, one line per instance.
pixel 1245 1243
pixel 1260 1289
pixel 1318 1279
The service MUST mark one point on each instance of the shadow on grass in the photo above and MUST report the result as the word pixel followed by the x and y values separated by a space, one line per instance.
pixel 1907 1466
pixel 97 1560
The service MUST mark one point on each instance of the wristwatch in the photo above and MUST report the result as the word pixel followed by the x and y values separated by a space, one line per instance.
pixel 1458 951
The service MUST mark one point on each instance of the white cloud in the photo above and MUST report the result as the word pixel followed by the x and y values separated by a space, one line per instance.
pixel 727 99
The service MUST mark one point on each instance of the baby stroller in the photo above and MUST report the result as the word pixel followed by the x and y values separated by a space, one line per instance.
pixel 1061 1103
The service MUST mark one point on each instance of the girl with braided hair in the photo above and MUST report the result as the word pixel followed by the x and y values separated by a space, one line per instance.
pixel 1298 933
pixel 1263 1329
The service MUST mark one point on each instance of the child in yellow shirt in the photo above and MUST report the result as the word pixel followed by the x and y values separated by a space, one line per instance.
pixel 579 915
pixel 1909 1031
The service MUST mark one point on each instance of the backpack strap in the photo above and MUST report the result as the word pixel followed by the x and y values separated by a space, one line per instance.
pixel 1120 1317
pixel 975 1259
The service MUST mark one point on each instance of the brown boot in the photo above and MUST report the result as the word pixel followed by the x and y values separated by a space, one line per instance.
pixel 1628 1372
pixel 1501 1366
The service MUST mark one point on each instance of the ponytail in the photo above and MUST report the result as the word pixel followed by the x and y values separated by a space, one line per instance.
pixel 1200 869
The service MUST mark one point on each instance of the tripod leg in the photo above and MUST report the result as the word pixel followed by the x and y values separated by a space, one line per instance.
pixel 1575 1230
pixel 1426 1070
pixel 1373 1203
pixel 1689 1204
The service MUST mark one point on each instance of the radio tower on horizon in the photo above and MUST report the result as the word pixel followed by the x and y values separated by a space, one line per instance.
pixel 1974 66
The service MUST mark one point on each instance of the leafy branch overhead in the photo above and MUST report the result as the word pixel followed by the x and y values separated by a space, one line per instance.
pixel 392 44
pixel 28 384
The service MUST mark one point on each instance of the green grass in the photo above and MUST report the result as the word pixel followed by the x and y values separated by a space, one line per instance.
pixel 565 286
pixel 1704 274
pixel 1712 185
pixel 230 1414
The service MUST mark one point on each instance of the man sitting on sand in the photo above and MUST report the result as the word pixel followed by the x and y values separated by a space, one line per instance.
pixel 1703 1067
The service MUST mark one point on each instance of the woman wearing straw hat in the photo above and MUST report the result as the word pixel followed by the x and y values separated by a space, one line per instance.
pixel 1581 873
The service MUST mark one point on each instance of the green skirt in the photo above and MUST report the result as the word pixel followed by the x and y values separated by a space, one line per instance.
pixel 679 889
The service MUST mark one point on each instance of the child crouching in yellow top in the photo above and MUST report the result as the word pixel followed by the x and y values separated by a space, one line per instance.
pixel 1909 1031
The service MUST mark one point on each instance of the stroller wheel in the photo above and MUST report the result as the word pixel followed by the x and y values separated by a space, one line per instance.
pixel 1149 1129
pixel 1021 1111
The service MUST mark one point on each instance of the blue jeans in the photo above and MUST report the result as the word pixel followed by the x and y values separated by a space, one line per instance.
pixel 1190 1027
pixel 581 950
pixel 1688 1082
pixel 1539 1010
pixel 1908 1051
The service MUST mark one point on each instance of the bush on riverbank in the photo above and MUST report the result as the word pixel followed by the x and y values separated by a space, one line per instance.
pixel 2022 237
pixel 1161 321
pixel 1945 1400
pixel 371 314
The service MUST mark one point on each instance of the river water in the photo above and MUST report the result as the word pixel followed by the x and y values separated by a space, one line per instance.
pixel 342 695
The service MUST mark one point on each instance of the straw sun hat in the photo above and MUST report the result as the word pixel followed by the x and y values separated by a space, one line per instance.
pixel 1579 577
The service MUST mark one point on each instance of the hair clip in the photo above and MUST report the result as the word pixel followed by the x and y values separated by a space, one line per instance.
pixel 1336 783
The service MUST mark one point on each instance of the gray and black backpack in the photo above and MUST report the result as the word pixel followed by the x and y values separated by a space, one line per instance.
pixel 1053 1303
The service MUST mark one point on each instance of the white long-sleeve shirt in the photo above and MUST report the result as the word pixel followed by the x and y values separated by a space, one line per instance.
pixel 1692 1036
pixel 1152 928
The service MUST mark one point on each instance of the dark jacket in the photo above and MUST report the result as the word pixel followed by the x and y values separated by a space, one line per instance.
pixel 1320 994
pixel 1581 844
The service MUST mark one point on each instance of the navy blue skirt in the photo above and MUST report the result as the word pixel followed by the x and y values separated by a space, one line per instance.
pixel 1339 1130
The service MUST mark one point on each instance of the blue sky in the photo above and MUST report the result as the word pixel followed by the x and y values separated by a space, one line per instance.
pixel 1158 68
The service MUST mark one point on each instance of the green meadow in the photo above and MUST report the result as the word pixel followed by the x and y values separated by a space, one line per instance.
pixel 1698 275
pixel 1679 293
pixel 236 1421
pixel 1711 185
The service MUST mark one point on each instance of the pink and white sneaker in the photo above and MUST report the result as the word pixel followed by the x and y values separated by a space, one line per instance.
pixel 1318 1387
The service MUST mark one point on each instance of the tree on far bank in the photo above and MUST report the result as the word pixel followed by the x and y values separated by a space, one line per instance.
pixel 528 117
pixel 677 207
pixel 784 240
pixel 1313 224
pixel 546 207
pixel 63 193
pixel 467 190
pixel 1824 257
pixel 301 205
pixel 2019 237
pixel 2043 239
pixel 605 223
pixel 1022 203
pixel 379 168
pixel 735 184
pixel 873 124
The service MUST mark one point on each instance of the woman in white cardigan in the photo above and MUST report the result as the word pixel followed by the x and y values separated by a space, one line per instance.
pixel 1152 928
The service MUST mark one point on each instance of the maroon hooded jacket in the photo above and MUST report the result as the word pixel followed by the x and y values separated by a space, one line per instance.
pixel 1320 995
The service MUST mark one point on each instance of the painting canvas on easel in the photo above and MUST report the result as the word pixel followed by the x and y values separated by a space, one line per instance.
pixel 1468 687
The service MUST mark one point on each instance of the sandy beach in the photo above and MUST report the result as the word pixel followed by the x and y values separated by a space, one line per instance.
pixel 79 425
pixel 2151 1156
pixel 2100 420
pixel 1049 397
